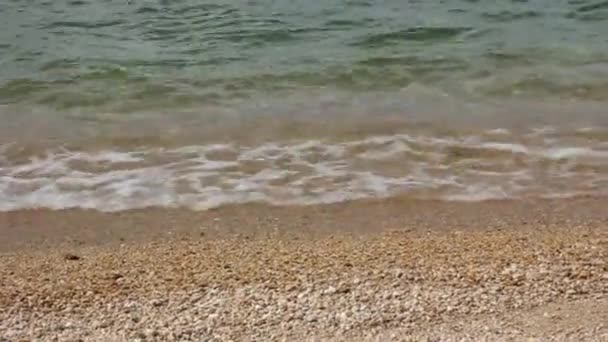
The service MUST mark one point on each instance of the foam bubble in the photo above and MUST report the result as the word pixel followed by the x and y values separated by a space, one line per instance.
pixel 305 172
pixel 509 147
pixel 575 152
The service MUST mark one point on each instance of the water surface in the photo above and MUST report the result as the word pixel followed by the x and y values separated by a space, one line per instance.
pixel 119 104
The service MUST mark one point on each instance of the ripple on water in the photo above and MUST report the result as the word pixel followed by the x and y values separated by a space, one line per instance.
pixel 419 34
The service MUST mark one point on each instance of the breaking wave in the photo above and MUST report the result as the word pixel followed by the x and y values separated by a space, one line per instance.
pixel 491 165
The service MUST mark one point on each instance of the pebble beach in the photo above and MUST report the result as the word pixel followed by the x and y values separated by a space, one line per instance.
pixel 345 170
pixel 478 277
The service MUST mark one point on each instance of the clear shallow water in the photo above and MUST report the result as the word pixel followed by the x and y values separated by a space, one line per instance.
pixel 116 104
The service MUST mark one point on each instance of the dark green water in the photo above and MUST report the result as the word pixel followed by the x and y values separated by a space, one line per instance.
pixel 140 80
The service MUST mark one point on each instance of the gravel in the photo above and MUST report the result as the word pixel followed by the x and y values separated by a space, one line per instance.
pixel 394 286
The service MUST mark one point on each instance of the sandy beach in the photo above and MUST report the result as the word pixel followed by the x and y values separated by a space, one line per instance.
pixel 374 270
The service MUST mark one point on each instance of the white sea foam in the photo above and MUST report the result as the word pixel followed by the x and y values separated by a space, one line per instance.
pixel 304 172
pixel 509 147
pixel 576 152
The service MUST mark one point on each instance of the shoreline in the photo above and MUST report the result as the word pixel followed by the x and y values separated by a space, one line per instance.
pixel 47 229
pixel 374 270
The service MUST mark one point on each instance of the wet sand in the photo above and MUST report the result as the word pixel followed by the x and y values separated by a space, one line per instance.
pixel 41 228
pixel 374 270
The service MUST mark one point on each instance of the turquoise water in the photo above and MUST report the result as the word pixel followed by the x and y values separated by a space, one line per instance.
pixel 90 89
pixel 129 55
